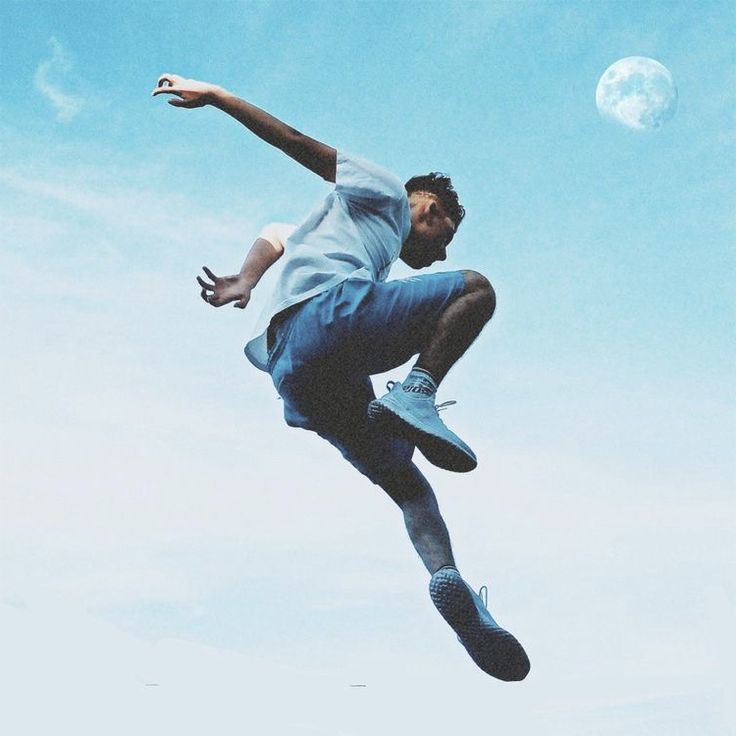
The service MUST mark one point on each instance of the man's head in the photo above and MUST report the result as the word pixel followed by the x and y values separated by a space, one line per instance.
pixel 436 214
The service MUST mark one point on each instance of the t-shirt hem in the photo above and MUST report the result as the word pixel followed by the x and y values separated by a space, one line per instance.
pixel 255 349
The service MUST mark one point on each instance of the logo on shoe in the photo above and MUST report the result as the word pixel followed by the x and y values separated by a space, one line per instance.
pixel 417 388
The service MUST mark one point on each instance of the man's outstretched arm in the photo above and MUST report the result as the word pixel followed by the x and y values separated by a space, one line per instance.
pixel 316 156
pixel 265 251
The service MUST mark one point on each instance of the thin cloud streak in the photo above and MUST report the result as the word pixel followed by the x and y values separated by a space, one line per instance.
pixel 158 214
pixel 46 80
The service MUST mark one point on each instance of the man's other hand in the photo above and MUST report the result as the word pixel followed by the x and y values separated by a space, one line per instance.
pixel 224 289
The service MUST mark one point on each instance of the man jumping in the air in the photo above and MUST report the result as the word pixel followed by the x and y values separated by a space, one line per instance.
pixel 333 321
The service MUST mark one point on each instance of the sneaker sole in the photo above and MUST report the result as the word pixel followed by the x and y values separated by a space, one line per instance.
pixel 493 649
pixel 439 452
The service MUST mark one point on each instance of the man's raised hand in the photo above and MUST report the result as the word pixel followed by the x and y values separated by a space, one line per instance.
pixel 188 92
pixel 309 152
pixel 224 289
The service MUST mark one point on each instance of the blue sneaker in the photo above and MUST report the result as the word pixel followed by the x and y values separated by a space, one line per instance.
pixel 416 416
pixel 492 648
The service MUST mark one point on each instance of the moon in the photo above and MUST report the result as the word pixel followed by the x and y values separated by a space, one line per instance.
pixel 637 92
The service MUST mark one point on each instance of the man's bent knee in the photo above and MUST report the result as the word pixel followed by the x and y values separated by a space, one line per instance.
pixel 482 290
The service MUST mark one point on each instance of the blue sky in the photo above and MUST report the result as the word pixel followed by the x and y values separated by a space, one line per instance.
pixel 149 480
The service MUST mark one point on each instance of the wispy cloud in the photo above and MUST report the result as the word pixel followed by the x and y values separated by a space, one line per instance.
pixel 159 214
pixel 50 75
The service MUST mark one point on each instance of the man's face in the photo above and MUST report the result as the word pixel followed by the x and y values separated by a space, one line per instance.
pixel 431 231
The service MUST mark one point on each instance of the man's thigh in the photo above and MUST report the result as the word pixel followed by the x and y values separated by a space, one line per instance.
pixel 336 408
pixel 371 327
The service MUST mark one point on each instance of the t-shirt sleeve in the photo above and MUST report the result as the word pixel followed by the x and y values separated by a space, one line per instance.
pixel 361 181
pixel 277 233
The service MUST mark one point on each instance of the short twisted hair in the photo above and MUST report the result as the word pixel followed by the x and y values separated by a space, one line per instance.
pixel 441 186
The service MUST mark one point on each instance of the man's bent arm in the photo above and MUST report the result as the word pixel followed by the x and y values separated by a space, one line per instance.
pixel 311 153
pixel 265 251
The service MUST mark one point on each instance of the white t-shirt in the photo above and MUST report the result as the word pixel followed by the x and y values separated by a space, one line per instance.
pixel 356 232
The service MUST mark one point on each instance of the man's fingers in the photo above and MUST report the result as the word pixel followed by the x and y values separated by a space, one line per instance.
pixel 171 91
pixel 208 290
pixel 165 84
pixel 168 78
pixel 242 304
pixel 165 91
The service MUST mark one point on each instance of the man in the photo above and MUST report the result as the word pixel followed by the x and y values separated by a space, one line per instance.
pixel 333 321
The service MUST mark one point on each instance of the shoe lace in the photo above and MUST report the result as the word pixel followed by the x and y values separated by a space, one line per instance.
pixel 444 405
pixel 437 407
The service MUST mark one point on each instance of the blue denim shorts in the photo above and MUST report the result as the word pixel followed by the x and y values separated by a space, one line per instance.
pixel 324 350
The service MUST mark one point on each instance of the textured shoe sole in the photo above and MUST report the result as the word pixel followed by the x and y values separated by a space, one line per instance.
pixel 439 452
pixel 493 649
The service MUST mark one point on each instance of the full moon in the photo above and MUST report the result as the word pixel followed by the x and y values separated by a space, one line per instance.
pixel 637 92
